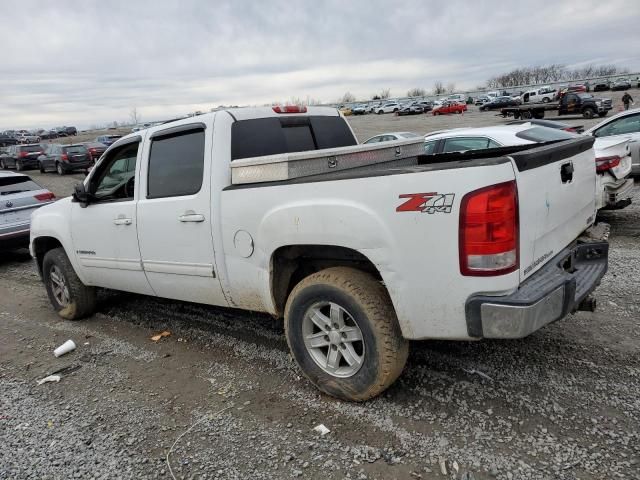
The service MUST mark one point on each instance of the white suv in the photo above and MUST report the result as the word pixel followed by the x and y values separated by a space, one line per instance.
pixel 389 107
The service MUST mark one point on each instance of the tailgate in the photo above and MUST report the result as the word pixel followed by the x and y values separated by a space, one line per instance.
pixel 556 195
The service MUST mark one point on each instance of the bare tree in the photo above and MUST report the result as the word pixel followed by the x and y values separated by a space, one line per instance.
pixel 438 88
pixel 385 93
pixel 134 116
pixel 347 98
pixel 549 73
pixel 451 87
pixel 416 92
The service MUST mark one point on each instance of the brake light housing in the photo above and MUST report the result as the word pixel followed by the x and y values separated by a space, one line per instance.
pixel 607 163
pixel 290 109
pixel 22 154
pixel 489 242
pixel 64 157
pixel 45 197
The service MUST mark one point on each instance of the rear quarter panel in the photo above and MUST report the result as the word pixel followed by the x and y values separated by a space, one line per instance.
pixel 416 252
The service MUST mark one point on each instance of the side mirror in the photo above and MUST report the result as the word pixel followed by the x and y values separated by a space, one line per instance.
pixel 80 195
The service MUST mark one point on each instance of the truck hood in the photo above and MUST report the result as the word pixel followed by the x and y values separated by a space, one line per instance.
pixel 610 146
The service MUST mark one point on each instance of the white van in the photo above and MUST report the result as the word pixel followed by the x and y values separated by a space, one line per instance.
pixel 542 94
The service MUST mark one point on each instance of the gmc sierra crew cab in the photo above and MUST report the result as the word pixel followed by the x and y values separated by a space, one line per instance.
pixel 360 248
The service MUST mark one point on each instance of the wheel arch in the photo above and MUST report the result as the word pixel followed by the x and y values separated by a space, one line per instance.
pixel 40 246
pixel 290 264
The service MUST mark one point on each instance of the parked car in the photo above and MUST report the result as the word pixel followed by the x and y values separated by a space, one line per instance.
pixel 427 105
pixel 612 161
pixel 359 109
pixel 449 107
pixel 543 94
pixel 27 138
pixel 498 102
pixel 411 109
pixel 482 99
pixel 457 97
pixel 60 131
pixel 108 139
pixel 96 149
pixel 20 196
pixel 47 134
pixel 65 158
pixel 6 140
pixel 550 124
pixel 357 261
pixel 601 85
pixel 373 107
pixel 21 157
pixel 391 136
pixel 389 107
pixel 621 84
pixel 622 125
pixel 71 131
pixel 570 103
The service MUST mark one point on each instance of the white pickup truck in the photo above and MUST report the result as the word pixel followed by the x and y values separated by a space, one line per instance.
pixel 360 248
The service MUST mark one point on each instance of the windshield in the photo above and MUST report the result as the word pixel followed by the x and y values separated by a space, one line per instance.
pixel 75 149
pixel 31 148
pixel 545 134
pixel 584 95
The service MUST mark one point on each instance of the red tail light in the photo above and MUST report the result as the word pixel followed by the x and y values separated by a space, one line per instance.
pixel 23 154
pixel 64 157
pixel 489 242
pixel 570 129
pixel 290 109
pixel 45 197
pixel 607 163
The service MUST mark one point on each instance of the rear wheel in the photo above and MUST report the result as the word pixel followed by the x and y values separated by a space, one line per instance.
pixel 2 165
pixel 526 114
pixel 343 333
pixel 19 165
pixel 69 296
pixel 588 112
pixel 59 169
pixel 42 169
pixel 602 114
pixel 545 100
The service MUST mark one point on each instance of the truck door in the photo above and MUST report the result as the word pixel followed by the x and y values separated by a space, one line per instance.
pixel 572 103
pixel 174 214
pixel 104 233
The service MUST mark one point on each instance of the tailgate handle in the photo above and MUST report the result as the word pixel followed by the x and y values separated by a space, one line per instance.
pixel 566 172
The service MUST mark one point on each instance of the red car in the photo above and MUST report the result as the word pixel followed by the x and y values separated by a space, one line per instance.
pixel 449 107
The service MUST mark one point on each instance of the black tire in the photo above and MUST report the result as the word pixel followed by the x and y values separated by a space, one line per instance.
pixel 588 112
pixel 384 350
pixel 526 114
pixel 19 165
pixel 2 165
pixel 42 169
pixel 545 100
pixel 59 169
pixel 602 114
pixel 395 110
pixel 538 115
pixel 380 112
pixel 82 299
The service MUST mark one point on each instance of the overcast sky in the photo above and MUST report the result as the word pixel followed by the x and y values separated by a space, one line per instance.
pixel 90 62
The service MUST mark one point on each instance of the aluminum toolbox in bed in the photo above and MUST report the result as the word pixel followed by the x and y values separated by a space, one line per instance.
pixel 287 166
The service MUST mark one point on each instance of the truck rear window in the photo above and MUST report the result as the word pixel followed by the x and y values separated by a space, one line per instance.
pixel 31 148
pixel 274 135
pixel 544 134
pixel 75 149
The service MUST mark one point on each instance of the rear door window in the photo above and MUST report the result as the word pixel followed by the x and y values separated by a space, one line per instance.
pixel 176 164
pixel 275 135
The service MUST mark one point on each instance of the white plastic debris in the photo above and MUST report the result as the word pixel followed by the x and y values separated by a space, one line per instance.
pixel 50 378
pixel 321 429
pixel 455 466
pixel 66 347
pixel 478 372
pixel 443 465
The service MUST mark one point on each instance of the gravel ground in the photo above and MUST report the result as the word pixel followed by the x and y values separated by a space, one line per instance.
pixel 561 404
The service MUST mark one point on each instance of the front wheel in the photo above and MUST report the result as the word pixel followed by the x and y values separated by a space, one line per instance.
pixel 343 333
pixel 602 114
pixel 59 169
pixel 42 169
pixel 71 298
pixel 545 100
pixel 588 112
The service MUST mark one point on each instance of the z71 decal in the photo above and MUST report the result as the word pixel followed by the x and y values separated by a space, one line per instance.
pixel 427 202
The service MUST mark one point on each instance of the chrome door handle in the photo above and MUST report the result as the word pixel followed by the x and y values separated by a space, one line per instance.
pixel 191 217
pixel 122 221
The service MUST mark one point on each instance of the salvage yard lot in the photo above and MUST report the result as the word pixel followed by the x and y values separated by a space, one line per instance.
pixel 563 403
